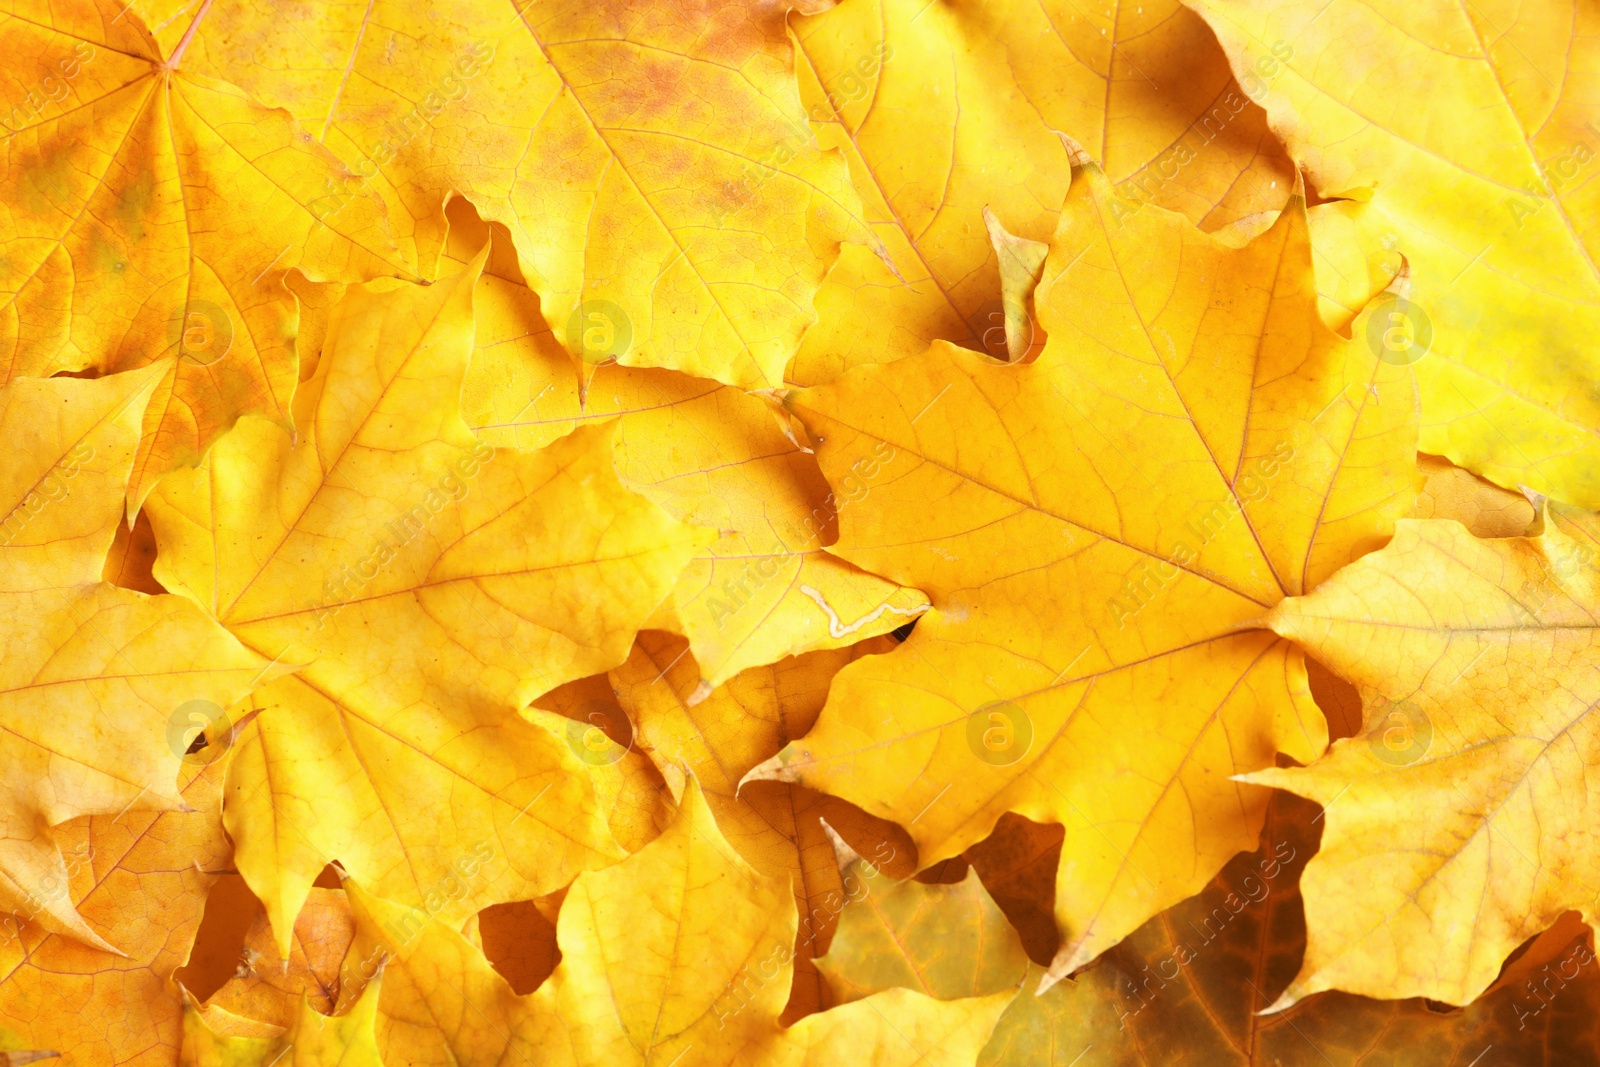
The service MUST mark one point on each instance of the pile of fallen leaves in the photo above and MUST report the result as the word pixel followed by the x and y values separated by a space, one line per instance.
pixel 782 532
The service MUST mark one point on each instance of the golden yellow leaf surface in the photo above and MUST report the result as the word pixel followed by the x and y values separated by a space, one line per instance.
pixel 1096 531
pixel 946 941
pixel 1189 986
pixel 945 109
pixel 96 682
pixel 123 244
pixel 139 877
pixel 1458 816
pixel 431 584
pixel 650 159
pixel 776 827
pixel 710 455
pixel 1495 214
pixel 312 1040
pixel 1017 864
pixel 678 954
pixel 268 988
pixel 1485 509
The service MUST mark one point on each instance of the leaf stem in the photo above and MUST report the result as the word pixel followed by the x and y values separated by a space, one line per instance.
pixel 188 35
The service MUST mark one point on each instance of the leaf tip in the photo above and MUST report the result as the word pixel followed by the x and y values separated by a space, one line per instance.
pixel 784 767
pixel 1076 153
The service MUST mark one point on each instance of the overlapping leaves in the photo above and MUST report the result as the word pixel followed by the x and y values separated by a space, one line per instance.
pixel 466 462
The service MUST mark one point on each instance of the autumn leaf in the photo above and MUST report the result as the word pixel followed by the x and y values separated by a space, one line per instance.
pixel 1485 509
pixel 1189 986
pixel 431 584
pixel 708 454
pixel 1494 215
pixel 679 952
pixel 267 988
pixel 1096 531
pixel 519 940
pixel 650 159
pixel 946 110
pixel 781 830
pixel 946 941
pixel 313 1040
pixel 1017 864
pixel 124 245
pixel 98 685
pixel 141 878
pixel 1461 808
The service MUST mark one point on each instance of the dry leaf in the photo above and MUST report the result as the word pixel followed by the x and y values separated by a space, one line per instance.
pixel 947 110
pixel 431 584
pixel 1017 864
pixel 1484 508
pixel 649 158
pixel 777 828
pixel 1096 530
pixel 268 988
pixel 1469 132
pixel 141 878
pixel 97 684
pixel 1189 986
pixel 710 455
pixel 312 1040
pixel 1455 824
pixel 124 243
pixel 946 941
pixel 678 954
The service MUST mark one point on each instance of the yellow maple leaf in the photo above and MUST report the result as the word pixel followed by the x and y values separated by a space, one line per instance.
pixel 1494 215
pixel 650 158
pixel 946 941
pixel 1096 530
pixel 1017 864
pixel 97 683
pixel 123 186
pixel 678 955
pixel 142 878
pixel 1188 986
pixel 944 110
pixel 710 455
pixel 431 584
pixel 268 989
pixel 312 1040
pixel 776 827
pixel 1455 827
